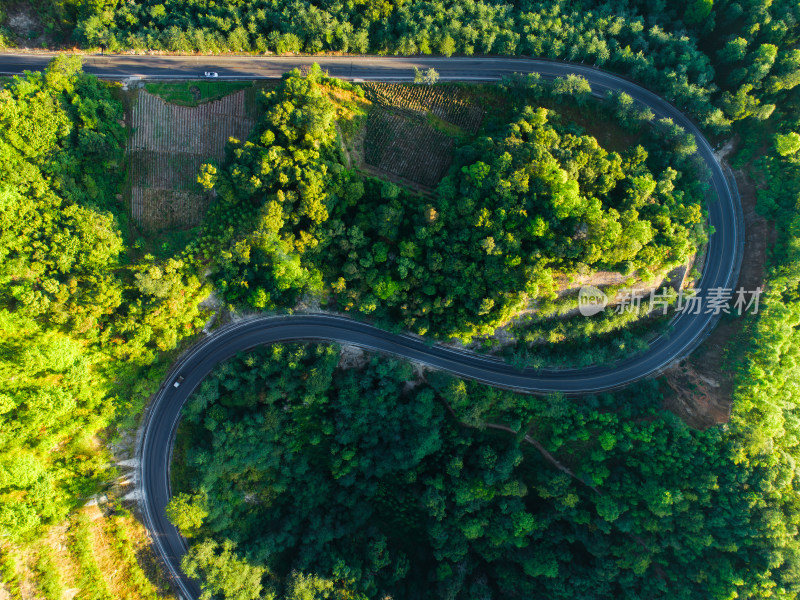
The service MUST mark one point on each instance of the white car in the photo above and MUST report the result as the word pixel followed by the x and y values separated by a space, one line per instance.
pixel 178 381
pixel 211 74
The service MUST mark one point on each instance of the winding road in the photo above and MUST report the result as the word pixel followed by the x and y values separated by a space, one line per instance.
pixel 158 432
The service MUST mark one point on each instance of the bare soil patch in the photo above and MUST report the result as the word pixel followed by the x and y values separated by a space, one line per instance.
pixel 24 25
pixel 352 357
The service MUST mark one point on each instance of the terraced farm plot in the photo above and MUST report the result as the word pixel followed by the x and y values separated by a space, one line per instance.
pixel 408 148
pixel 168 143
pixel 449 103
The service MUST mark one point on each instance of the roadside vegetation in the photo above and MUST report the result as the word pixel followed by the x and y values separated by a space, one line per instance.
pixel 766 377
pixel 676 49
pixel 98 552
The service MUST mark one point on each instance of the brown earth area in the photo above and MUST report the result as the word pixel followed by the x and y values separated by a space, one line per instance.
pixel 699 389
pixel 24 25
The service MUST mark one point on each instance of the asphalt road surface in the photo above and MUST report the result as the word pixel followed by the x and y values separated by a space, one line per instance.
pixel 720 271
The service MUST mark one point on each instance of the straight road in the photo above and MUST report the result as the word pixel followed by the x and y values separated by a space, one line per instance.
pixel 721 268
pixel 371 68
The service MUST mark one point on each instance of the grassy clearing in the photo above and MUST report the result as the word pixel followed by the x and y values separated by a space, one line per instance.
pixel 92 556
pixel 90 578
pixel 117 552
pixel 47 575
pixel 9 575
pixel 351 115
pixel 447 128
pixel 122 552
pixel 193 93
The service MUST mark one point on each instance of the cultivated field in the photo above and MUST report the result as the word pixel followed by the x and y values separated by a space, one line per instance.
pixel 168 143
pixel 449 103
pixel 408 148
pixel 411 130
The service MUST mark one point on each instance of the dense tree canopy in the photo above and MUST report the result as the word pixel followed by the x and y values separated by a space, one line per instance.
pixel 372 482
pixel 306 480
pixel 80 320
pixel 534 197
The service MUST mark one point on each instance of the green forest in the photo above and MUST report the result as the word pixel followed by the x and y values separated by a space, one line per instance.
pixel 529 196
pixel 301 473
pixel 305 480
pixel 84 320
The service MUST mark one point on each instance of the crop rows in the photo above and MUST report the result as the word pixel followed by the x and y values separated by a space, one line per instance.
pixel 165 170
pixel 408 148
pixel 450 103
pixel 164 192
pixel 168 143
pixel 165 209
pixel 202 129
